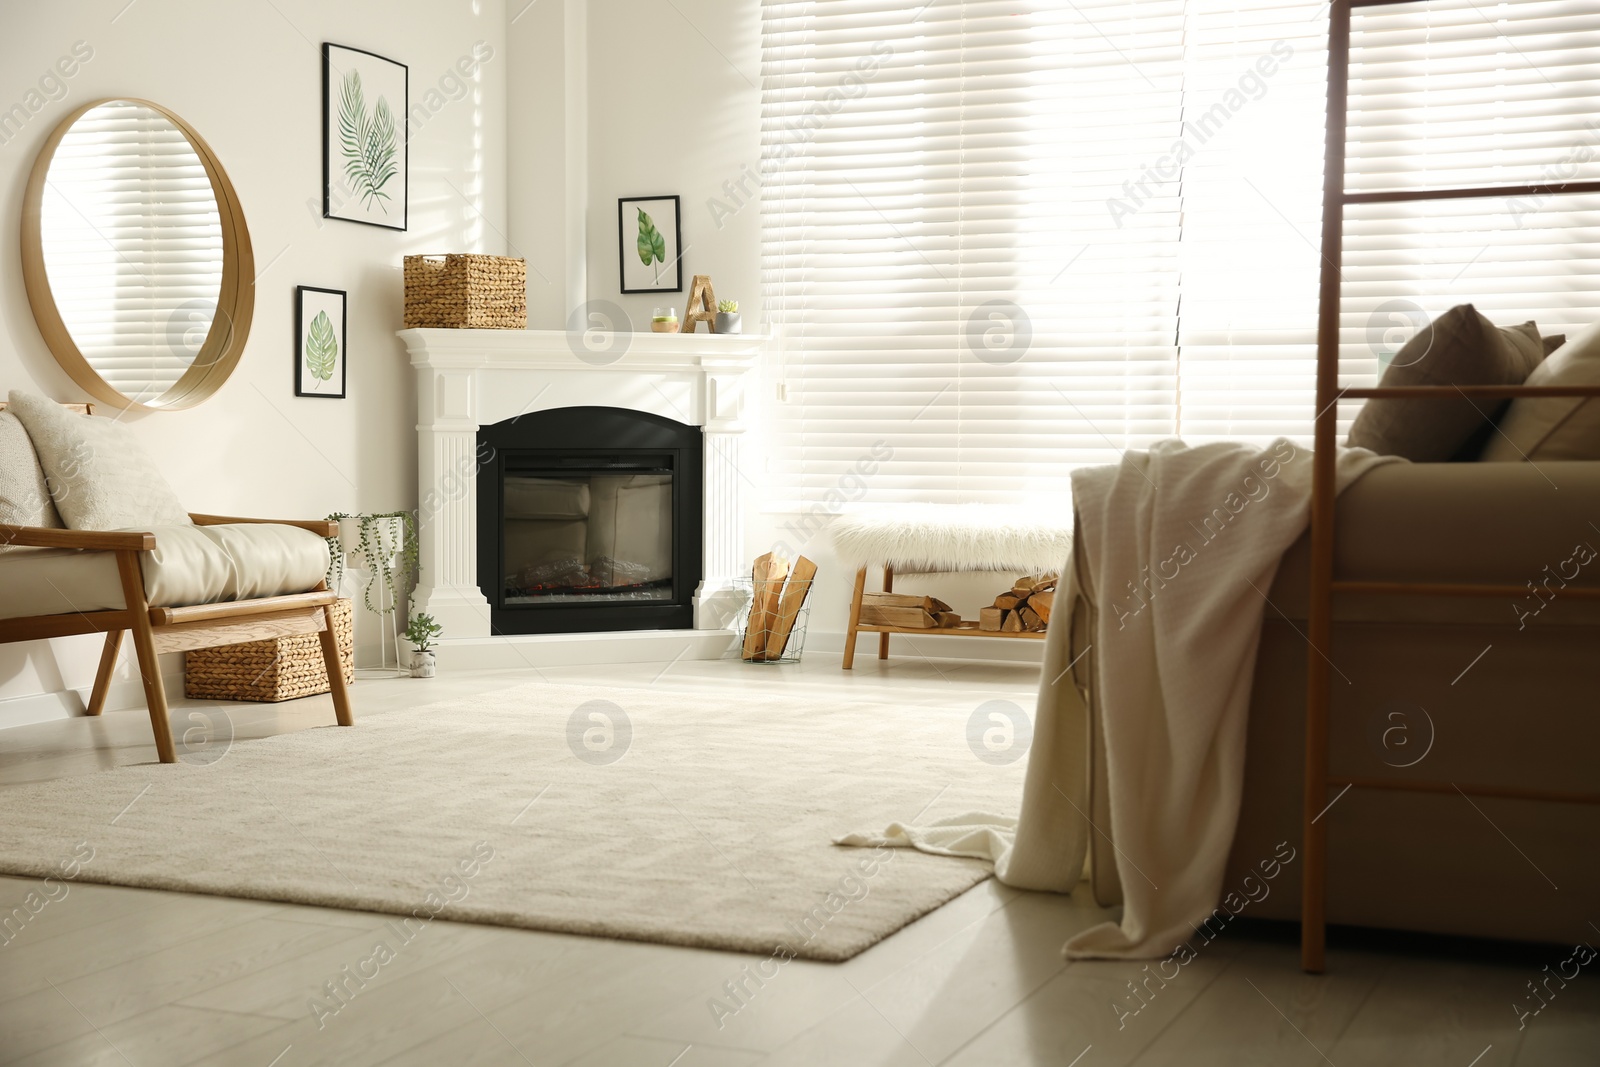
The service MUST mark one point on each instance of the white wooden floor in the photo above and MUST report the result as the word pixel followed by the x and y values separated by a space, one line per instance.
pixel 115 976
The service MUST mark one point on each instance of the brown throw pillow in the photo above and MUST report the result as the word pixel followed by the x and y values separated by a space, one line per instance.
pixel 1460 347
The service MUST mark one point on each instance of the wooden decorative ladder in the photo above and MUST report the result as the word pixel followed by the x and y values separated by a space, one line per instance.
pixel 1313 932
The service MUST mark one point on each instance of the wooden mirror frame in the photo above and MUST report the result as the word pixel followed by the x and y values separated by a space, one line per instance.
pixel 230 326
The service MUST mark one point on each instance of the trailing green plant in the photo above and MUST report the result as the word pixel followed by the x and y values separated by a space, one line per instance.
pixel 728 307
pixel 322 348
pixel 368 143
pixel 422 630
pixel 335 573
pixel 398 582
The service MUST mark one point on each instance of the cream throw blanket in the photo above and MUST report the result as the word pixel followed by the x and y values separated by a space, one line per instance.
pixel 1179 547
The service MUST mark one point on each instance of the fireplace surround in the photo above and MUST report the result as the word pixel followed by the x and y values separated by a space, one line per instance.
pixel 471 379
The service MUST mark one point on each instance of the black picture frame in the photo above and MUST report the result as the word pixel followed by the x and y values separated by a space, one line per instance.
pixel 302 324
pixel 349 205
pixel 627 232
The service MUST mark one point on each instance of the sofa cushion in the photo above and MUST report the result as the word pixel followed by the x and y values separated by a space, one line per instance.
pixel 1460 347
pixel 189 565
pixel 1555 427
pixel 100 477
pixel 1512 524
pixel 24 496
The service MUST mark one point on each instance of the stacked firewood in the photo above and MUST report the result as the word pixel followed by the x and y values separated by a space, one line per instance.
pixel 1025 607
pixel 908 611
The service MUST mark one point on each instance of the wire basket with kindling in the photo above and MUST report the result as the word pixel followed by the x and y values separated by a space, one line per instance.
pixel 773 613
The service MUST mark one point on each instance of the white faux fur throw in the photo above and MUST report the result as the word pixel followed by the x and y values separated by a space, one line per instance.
pixel 930 538
pixel 1179 548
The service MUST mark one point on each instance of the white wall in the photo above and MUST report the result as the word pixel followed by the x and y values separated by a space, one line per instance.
pixel 674 107
pixel 248 77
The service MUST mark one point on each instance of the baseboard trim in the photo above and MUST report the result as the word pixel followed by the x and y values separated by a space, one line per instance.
pixel 660 646
pixel 581 650
pixel 124 695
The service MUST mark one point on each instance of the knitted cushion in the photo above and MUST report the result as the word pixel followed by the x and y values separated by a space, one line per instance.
pixel 100 477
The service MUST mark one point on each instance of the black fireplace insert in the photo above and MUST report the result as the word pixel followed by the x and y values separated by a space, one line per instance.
pixel 589 519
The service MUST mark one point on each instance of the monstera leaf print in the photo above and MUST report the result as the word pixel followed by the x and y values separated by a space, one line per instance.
pixel 322 348
pixel 367 142
pixel 651 245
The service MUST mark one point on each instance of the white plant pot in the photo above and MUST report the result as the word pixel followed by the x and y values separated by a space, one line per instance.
pixel 728 322
pixel 423 664
pixel 349 538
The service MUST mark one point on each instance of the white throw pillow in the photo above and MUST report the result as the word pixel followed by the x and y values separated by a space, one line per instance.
pixel 99 476
pixel 24 497
pixel 1561 427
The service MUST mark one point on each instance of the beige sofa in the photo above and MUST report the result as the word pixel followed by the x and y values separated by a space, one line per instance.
pixel 1511 689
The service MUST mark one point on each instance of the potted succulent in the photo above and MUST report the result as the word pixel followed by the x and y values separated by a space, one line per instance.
pixel 727 316
pixel 422 631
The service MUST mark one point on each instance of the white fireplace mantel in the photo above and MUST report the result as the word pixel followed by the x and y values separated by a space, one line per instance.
pixel 472 378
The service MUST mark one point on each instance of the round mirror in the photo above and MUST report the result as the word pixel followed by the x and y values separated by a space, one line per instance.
pixel 136 257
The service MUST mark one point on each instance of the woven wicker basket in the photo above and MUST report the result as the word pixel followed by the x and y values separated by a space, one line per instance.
pixel 459 291
pixel 280 668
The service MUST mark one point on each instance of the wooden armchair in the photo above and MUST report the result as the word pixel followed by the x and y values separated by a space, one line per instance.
pixel 159 629
pixel 175 629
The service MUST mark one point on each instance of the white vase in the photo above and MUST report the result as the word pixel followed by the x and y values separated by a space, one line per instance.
pixel 423 664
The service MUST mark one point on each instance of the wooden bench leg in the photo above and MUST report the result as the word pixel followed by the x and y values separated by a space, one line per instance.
pixel 330 659
pixel 102 677
pixel 855 619
pixel 888 587
pixel 155 694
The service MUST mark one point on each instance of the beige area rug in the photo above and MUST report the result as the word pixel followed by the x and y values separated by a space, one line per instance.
pixel 699 818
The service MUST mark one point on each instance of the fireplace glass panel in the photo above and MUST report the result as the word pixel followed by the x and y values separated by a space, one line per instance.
pixel 575 537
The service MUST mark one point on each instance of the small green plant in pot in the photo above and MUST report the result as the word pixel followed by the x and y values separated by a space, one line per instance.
pixel 727 316
pixel 422 632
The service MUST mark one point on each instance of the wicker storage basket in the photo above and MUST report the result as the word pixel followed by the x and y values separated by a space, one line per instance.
pixel 459 291
pixel 280 668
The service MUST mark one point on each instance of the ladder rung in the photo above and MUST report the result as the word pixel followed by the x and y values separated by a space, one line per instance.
pixel 1489 391
pixel 1516 592
pixel 1504 792
pixel 1392 196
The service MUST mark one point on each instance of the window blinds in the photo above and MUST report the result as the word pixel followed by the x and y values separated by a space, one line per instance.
pixel 1006 239
pixel 1451 94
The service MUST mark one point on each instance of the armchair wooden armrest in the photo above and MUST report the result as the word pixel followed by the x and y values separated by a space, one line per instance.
pixel 320 527
pixel 105 540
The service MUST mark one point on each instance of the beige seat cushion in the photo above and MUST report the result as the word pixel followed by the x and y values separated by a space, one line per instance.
pixel 1460 347
pixel 24 496
pixel 1560 427
pixel 190 565
pixel 100 476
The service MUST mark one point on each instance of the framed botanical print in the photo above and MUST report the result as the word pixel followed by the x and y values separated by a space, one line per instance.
pixel 649 244
pixel 364 161
pixel 319 355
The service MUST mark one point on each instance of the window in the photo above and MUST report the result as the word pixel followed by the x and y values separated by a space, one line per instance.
pixel 1452 94
pixel 1002 240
